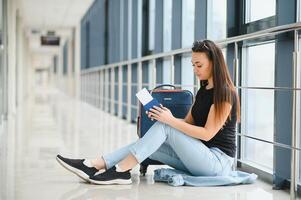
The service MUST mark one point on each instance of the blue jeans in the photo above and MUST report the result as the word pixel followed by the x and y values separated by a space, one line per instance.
pixel 172 147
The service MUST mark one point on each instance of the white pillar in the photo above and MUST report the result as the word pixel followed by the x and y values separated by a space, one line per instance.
pixel 60 77
pixel 77 56
pixel 70 62
pixel 11 26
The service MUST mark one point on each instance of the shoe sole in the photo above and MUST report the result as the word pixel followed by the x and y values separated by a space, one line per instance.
pixel 112 182
pixel 77 172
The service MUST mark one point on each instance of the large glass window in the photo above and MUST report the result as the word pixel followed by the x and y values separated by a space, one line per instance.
pixel 216 19
pixel 258 104
pixel 188 10
pixel 258 9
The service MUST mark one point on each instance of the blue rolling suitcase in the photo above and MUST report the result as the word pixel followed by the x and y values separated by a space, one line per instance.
pixel 177 100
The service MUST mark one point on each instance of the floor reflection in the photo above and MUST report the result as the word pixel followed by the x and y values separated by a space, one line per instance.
pixel 50 122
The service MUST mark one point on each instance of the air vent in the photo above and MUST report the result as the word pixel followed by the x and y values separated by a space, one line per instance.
pixel 50 33
pixel 35 31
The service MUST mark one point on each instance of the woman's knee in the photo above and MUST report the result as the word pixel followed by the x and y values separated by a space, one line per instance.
pixel 159 124
pixel 174 134
pixel 159 127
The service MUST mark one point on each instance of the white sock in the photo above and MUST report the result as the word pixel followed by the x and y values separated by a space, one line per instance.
pixel 118 169
pixel 88 163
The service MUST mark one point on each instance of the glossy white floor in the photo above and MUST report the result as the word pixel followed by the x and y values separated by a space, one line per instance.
pixel 51 123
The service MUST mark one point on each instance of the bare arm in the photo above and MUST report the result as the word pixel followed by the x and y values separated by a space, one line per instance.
pixel 212 126
pixel 189 119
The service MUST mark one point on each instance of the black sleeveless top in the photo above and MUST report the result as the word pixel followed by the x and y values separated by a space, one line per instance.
pixel 225 138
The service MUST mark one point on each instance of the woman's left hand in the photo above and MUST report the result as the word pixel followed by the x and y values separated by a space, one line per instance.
pixel 161 114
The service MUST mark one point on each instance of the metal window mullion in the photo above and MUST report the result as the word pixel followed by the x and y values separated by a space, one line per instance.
pixel 139 82
pixel 85 88
pixel 104 90
pixel 83 82
pixel 294 158
pixel 196 84
pixel 88 87
pixel 139 71
pixel 120 87
pixel 153 81
pixel 5 60
pixel 150 76
pixel 107 85
pixel 98 89
pixel 101 89
pixel 129 93
pixel 172 69
pixel 93 89
pixel 235 77
pixel 112 90
pixel 81 87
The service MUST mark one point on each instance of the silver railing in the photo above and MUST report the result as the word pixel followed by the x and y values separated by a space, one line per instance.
pixel 96 89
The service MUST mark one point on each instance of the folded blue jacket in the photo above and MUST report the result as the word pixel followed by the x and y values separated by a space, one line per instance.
pixel 177 178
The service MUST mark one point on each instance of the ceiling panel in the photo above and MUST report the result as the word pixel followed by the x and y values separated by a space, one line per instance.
pixel 53 13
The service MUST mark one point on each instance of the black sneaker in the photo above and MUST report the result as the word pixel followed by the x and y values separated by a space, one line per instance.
pixel 111 176
pixel 77 167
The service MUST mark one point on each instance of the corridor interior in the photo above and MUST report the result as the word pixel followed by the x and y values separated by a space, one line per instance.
pixel 51 122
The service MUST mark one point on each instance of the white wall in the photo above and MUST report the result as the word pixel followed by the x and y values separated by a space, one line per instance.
pixel 20 71
pixel 11 81
pixel 12 7
pixel 69 82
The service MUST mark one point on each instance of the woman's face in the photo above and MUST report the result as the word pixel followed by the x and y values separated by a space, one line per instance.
pixel 202 66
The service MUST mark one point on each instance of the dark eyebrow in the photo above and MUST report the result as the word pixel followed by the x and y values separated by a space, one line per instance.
pixel 196 62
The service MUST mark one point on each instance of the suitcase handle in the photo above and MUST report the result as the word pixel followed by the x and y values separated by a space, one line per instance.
pixel 164 85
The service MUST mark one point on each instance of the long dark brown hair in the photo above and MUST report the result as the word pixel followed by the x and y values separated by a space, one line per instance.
pixel 224 90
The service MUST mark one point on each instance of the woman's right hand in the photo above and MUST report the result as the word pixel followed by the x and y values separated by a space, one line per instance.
pixel 149 115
